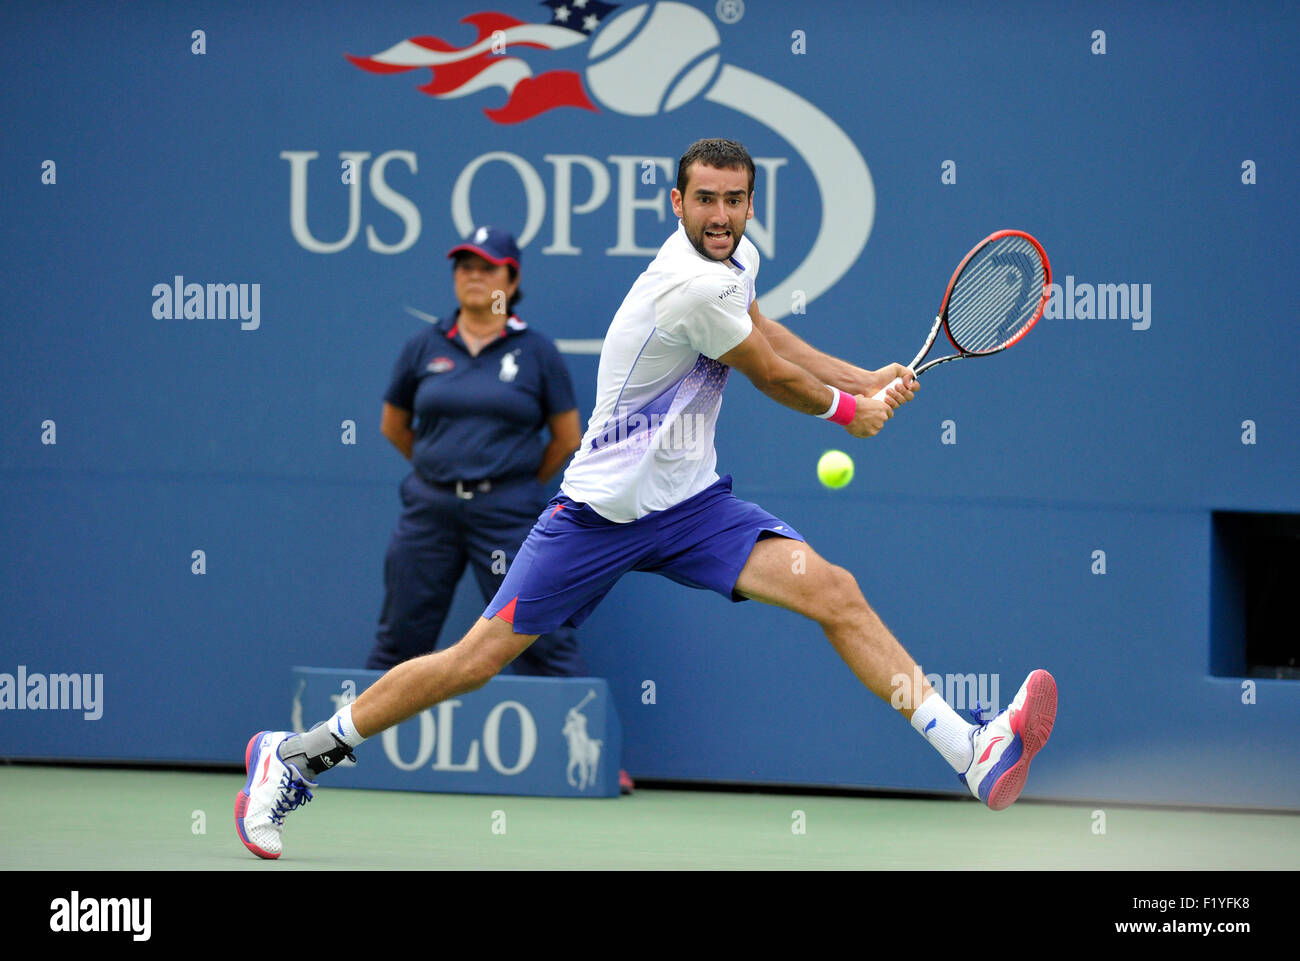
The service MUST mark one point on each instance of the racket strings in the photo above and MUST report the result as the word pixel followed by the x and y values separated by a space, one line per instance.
pixel 997 295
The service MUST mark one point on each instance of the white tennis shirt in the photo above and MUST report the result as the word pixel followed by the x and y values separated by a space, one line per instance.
pixel 649 443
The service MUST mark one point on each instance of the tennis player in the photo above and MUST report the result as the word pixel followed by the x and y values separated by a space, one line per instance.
pixel 642 495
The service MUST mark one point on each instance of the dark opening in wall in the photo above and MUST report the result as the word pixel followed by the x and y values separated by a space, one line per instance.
pixel 1255 595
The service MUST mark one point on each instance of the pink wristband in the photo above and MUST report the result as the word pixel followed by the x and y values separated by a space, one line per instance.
pixel 844 410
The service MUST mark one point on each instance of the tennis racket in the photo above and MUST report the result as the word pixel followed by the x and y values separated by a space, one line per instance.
pixel 996 294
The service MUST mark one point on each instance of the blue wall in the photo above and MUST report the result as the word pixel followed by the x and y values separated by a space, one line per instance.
pixel 1118 433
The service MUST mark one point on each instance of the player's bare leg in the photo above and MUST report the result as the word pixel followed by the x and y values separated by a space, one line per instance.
pixel 423 681
pixel 790 574
pixel 992 758
pixel 281 765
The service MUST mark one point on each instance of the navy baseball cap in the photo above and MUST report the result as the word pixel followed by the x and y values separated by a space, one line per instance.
pixel 493 244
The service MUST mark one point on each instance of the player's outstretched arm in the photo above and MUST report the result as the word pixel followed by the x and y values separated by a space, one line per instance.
pixel 831 370
pixel 799 389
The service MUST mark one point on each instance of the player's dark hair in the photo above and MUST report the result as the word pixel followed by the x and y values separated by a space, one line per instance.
pixel 723 154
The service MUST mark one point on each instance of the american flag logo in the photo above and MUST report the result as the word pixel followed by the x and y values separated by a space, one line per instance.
pixel 481 65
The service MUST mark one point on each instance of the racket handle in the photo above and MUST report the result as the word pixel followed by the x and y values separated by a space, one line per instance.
pixel 880 394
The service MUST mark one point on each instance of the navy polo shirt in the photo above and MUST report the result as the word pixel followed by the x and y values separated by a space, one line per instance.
pixel 478 418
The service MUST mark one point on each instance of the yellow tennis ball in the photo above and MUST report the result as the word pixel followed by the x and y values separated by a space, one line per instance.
pixel 835 469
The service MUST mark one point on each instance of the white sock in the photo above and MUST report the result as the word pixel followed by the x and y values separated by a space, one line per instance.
pixel 341 726
pixel 947 733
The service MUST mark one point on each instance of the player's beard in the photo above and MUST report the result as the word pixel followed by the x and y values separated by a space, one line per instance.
pixel 695 234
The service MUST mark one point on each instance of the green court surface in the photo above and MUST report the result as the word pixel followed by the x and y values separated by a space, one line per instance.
pixel 71 819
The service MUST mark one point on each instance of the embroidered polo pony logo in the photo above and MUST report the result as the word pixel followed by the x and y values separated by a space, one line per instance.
pixel 509 367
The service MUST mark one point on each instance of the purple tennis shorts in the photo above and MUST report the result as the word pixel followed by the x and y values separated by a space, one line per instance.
pixel 573 556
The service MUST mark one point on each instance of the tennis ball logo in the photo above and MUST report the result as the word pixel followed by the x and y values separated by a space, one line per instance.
pixel 835 469
pixel 653 58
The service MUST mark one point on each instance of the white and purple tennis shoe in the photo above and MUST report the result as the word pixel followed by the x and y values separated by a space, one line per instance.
pixel 1004 746
pixel 273 789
